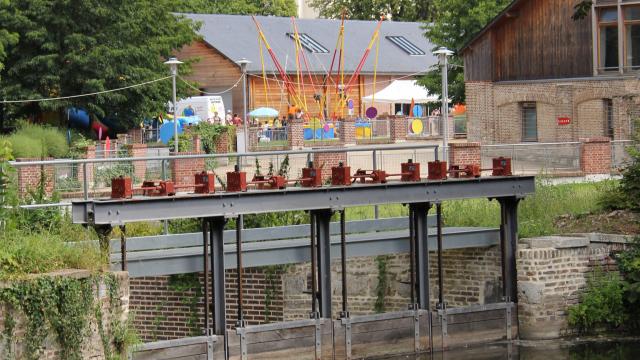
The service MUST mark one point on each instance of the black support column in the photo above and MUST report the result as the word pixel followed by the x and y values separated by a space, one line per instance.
pixel 420 231
pixel 323 243
pixel 217 273
pixel 508 245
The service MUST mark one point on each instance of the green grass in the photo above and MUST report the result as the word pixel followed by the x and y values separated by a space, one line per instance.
pixel 536 213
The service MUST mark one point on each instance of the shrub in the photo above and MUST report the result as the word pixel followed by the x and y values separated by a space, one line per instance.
pixel 33 141
pixel 600 305
pixel 25 146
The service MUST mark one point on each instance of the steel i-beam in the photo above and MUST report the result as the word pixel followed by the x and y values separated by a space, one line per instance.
pixel 323 236
pixel 217 271
pixel 509 240
pixel 422 264
pixel 205 259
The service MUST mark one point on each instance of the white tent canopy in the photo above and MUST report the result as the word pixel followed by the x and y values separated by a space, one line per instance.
pixel 402 92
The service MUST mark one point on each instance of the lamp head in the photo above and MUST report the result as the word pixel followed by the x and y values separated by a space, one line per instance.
pixel 442 53
pixel 173 64
pixel 243 63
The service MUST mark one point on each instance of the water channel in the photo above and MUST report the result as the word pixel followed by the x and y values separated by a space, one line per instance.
pixel 627 349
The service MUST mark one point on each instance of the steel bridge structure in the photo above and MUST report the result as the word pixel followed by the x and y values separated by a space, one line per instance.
pixel 321 203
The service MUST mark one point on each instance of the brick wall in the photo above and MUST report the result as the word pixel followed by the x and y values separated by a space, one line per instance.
pixel 296 134
pixel 472 276
pixel 137 135
pixel 90 153
pixel 165 309
pixel 183 170
pixel 494 113
pixel 222 145
pixel 595 155
pixel 398 128
pixel 348 131
pixel 91 346
pixel 551 278
pixel 464 153
pixel 29 176
pixel 139 167
pixel 327 161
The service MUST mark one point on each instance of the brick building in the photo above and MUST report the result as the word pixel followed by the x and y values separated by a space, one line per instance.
pixel 534 74
pixel 225 39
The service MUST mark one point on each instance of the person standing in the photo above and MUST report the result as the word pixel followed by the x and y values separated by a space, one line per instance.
pixel 236 120
pixel 228 118
pixel 216 118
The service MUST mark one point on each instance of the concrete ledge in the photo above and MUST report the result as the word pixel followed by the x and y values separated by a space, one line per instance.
pixel 556 242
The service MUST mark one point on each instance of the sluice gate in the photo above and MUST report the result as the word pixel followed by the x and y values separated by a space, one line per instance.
pixel 327 335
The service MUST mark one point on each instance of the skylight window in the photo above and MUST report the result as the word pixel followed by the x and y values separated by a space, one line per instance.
pixel 309 43
pixel 406 45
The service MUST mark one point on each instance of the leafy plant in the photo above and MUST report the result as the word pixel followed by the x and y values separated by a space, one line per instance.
pixel 34 141
pixel 601 304
pixel 383 282
pixel 209 134
pixel 185 142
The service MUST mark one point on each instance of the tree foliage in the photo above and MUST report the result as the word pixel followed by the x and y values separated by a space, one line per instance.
pixel 455 23
pixel 401 10
pixel 69 47
pixel 241 7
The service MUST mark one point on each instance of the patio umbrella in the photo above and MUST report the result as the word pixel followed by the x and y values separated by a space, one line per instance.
pixel 264 112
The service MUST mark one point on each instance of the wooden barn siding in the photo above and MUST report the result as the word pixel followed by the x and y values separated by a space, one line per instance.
pixel 277 98
pixel 541 41
pixel 212 70
pixel 478 59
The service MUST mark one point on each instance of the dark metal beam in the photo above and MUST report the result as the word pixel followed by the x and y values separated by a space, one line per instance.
pixel 323 218
pixel 335 197
pixel 439 226
pixel 422 253
pixel 217 278
pixel 205 255
pixel 343 261
pixel 189 259
pixel 509 241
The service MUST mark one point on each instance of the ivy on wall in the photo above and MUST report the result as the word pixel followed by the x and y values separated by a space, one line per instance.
pixel 64 305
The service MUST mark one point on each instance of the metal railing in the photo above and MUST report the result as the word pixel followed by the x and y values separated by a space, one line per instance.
pixel 534 158
pixel 91 177
pixel 150 135
pixel 373 129
pixel 424 127
pixel 266 137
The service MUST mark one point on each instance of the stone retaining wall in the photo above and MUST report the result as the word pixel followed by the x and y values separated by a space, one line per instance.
pixel 552 273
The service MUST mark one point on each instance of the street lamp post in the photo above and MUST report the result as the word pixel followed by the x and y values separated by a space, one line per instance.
pixel 243 67
pixel 443 59
pixel 173 67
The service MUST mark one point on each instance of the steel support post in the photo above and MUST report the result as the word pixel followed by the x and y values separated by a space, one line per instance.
pixel 239 227
pixel 123 247
pixel 412 256
pixel 422 252
pixel 314 278
pixel 205 260
pixel 323 236
pixel 508 242
pixel 440 270
pixel 343 262
pixel 217 273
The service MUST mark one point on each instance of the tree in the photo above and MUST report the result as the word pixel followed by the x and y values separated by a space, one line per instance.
pixel 455 23
pixel 401 10
pixel 241 7
pixel 6 38
pixel 582 9
pixel 69 47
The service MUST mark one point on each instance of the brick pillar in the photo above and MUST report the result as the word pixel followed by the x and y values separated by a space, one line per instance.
pixel 595 155
pixel 465 154
pixel 139 167
pixel 295 134
pixel 136 135
pixel 348 131
pixel 327 161
pixel 89 153
pixel 398 128
pixel 221 144
pixel 29 176
pixel 183 170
